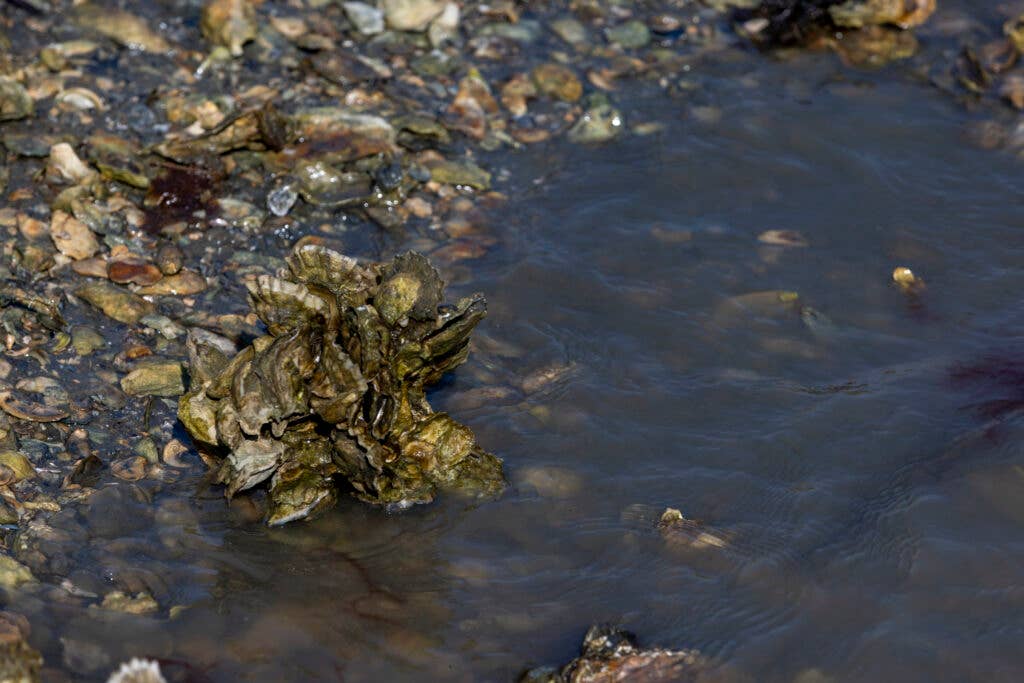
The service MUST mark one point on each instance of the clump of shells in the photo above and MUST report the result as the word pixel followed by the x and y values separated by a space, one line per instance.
pixel 335 391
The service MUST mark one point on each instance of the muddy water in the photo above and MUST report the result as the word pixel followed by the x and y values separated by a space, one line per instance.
pixel 862 460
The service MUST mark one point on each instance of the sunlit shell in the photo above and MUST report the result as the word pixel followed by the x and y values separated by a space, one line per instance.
pixel 285 305
pixel 411 288
pixel 340 274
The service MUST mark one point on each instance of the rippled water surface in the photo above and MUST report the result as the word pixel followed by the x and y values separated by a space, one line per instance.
pixel 858 450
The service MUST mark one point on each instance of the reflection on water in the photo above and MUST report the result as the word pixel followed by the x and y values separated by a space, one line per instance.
pixel 873 514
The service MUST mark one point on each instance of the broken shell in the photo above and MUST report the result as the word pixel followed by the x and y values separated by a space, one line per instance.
pixel 71 237
pixel 80 98
pixel 65 165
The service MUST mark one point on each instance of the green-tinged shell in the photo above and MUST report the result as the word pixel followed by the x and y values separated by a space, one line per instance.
pixel 411 288
pixel 283 305
pixel 302 487
pixel 340 274
pixel 337 388
pixel 199 415
pixel 251 462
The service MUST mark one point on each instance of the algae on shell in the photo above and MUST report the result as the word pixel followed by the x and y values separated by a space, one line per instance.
pixel 337 388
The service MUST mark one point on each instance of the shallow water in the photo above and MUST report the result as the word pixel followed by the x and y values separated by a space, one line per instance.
pixel 866 472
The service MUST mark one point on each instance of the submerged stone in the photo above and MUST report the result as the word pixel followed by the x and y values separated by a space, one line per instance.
pixel 15 102
pixel 115 302
pixel 337 389
pixel 367 19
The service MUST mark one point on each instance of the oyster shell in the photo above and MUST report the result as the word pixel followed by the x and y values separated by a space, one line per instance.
pixel 337 388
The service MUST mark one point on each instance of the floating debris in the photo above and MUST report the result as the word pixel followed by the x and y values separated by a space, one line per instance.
pixel 337 388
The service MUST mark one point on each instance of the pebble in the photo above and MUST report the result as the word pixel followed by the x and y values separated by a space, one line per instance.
pixel 367 19
pixel 115 302
pixel 154 378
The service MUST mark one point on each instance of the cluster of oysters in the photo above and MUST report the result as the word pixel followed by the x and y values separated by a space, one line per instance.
pixel 335 391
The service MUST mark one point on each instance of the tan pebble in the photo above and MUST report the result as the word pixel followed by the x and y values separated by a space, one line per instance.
pixel 419 207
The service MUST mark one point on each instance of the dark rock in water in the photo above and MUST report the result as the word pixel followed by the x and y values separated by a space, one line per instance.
pixel 336 390
pixel 798 22
pixel 610 654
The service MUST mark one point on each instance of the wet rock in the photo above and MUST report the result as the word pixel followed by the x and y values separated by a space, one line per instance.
pixel 367 19
pixel 15 102
pixel 631 35
pixel 71 237
pixel 570 30
pixel 162 378
pixel 411 15
pixel 124 28
pixel 130 270
pixel 322 184
pixel 464 173
pixel 115 302
pixel 610 655
pixel 445 28
pixel 183 283
pixel 229 23
pixel 337 388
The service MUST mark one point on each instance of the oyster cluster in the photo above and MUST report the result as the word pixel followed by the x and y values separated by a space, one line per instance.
pixel 336 389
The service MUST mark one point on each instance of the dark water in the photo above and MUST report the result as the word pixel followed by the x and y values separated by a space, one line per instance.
pixel 865 469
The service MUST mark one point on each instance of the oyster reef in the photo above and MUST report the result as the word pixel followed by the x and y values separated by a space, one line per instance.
pixel 335 391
